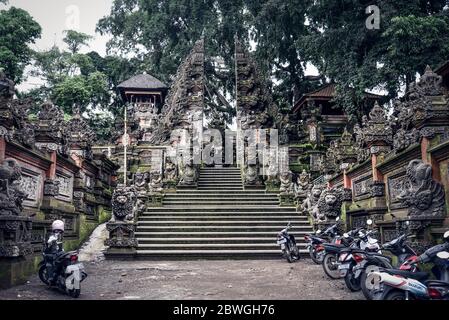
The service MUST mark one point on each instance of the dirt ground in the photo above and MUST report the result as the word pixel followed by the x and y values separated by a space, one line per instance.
pixel 179 280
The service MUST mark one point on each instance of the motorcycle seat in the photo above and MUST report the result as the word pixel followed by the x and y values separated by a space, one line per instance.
pixel 408 274
pixel 437 283
pixel 334 247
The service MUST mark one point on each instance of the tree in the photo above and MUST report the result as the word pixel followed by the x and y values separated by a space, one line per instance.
pixel 412 33
pixel 17 31
pixel 75 40
pixel 161 33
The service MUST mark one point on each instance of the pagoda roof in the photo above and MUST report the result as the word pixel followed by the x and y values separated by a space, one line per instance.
pixel 142 82
pixel 325 92
pixel 443 70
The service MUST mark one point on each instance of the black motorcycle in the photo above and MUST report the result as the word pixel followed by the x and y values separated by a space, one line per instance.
pixel 61 269
pixel 317 240
pixel 288 245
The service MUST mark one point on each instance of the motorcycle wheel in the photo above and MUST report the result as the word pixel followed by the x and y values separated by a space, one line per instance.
pixel 75 293
pixel 314 257
pixel 351 282
pixel 395 295
pixel 330 266
pixel 367 293
pixel 43 275
pixel 288 255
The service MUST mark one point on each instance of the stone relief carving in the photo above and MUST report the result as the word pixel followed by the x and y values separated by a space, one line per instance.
pixel 124 202
pixel 329 205
pixel 11 195
pixel 423 196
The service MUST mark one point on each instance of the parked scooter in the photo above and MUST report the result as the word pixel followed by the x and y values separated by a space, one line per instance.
pixel 58 268
pixel 392 284
pixel 317 239
pixel 288 245
pixel 333 250
pixel 372 262
pixel 351 259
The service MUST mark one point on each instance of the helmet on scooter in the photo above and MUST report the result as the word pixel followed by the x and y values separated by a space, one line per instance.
pixel 57 225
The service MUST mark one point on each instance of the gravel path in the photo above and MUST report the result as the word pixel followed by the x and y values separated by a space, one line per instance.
pixel 223 279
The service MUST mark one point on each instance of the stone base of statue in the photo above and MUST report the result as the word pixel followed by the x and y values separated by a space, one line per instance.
pixel 17 263
pixel 122 242
pixel 187 186
pixel 287 200
pixel 155 200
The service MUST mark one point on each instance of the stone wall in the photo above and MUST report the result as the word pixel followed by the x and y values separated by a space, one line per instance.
pixel 402 171
pixel 58 177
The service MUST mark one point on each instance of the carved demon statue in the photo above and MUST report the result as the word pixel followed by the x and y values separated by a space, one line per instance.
pixel 124 203
pixel 329 205
pixel 286 183
pixel 423 196
pixel 11 197
pixel 309 205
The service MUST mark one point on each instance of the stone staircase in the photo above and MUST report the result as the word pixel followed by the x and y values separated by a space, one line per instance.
pixel 219 220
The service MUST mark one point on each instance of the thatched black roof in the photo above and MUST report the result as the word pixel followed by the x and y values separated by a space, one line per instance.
pixel 142 81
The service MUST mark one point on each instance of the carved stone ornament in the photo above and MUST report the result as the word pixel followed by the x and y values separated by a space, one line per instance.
pixel 156 185
pixel 124 203
pixel 309 205
pixel 11 195
pixel 141 183
pixel 51 187
pixel 286 187
pixel 376 131
pixel 189 174
pixel 51 128
pixel 303 184
pixel 329 205
pixel 121 235
pixel 423 196
pixel 170 172
pixel 80 134
pixel 185 100
pixel 377 189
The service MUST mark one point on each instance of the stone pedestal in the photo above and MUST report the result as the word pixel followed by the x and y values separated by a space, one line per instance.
pixel 15 250
pixel 121 241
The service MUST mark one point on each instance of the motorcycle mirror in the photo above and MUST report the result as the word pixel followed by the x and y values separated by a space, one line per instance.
pixel 369 222
pixel 443 255
pixel 446 235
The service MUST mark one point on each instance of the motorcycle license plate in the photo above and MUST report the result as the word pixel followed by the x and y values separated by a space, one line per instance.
pixel 344 266
pixel 281 241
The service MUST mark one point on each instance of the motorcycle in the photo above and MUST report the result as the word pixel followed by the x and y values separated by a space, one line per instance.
pixel 333 250
pixel 288 245
pixel 397 284
pixel 373 262
pixel 61 269
pixel 317 239
pixel 351 259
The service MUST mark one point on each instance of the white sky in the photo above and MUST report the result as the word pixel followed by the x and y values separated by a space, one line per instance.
pixel 55 16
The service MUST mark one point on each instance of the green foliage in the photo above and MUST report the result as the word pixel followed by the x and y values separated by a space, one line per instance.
pixel 75 40
pixel 412 33
pixel 17 31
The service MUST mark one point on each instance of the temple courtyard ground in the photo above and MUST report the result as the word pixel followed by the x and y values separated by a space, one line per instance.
pixel 222 279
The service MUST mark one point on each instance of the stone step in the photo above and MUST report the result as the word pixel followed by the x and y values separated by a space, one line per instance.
pixel 220 202
pixel 214 246
pixel 220 209
pixel 219 228
pixel 214 240
pixel 219 195
pixel 221 234
pixel 210 254
pixel 216 223
pixel 219 184
pixel 218 189
pixel 231 192
pixel 291 218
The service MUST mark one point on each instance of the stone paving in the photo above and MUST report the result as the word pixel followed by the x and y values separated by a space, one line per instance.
pixel 221 279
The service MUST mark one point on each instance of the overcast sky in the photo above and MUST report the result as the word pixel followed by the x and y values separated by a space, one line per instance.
pixel 55 16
